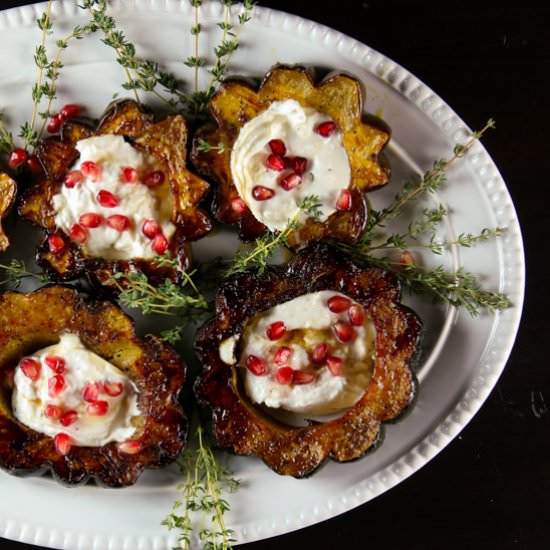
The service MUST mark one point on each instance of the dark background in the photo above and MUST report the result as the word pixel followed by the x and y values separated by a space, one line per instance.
pixel 490 488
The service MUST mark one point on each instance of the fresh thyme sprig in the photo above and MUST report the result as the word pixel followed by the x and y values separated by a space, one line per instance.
pixel 6 137
pixel 264 247
pixel 16 272
pixel 204 147
pixel 201 493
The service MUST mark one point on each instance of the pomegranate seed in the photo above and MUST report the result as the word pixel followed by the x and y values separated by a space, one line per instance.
pixel 334 365
pixel 277 146
pixel 256 365
pixel 298 164
pixel 284 376
pixel 356 315
pixel 56 363
pixel 91 220
pixel 275 162
pixel 130 447
pixel 113 389
pixel 154 179
pixel 303 376
pixel 118 222
pixel 56 385
pixel 129 175
pixel 78 234
pixel 91 170
pixel 276 330
pixel 107 199
pixel 343 202
pixel 338 304
pixel 320 353
pixel 54 124
pixel 261 193
pixel 97 408
pixel 91 392
pixel 160 244
pixel 56 244
pixel 72 178
pixel 326 129
pixel 68 418
pixel 151 228
pixel 238 206
pixel 17 157
pixel 62 444
pixel 283 356
pixel 52 411
pixel 406 259
pixel 33 165
pixel 69 111
pixel 291 181
pixel 30 368
pixel 343 331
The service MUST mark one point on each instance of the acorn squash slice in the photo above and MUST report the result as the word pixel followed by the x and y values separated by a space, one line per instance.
pixel 247 428
pixel 339 97
pixel 31 322
pixel 8 192
pixel 165 141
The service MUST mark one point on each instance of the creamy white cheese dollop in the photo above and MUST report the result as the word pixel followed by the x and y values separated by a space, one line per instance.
pixel 136 201
pixel 31 398
pixel 328 169
pixel 308 322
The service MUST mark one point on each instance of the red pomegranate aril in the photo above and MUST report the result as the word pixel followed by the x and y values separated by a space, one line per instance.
pixel 113 389
pixel 356 315
pixel 91 392
pixel 56 363
pixel 343 202
pixel 62 444
pixel 130 447
pixel 151 228
pixel 256 365
pixel 97 408
pixel 290 181
pixel 33 165
pixel 303 377
pixel 326 129
pixel 70 110
pixel 238 206
pixel 278 147
pixel 91 220
pixel 107 199
pixel 284 376
pixel 338 304
pixel 56 384
pixel 154 179
pixel 276 330
pixel 298 164
pixel 129 174
pixel 68 418
pixel 30 368
pixel 72 178
pixel 275 162
pixel 118 222
pixel 53 411
pixel 334 365
pixel 17 157
pixel 91 170
pixel 320 352
pixel 56 244
pixel 261 193
pixel 78 234
pixel 283 356
pixel 54 123
pixel 344 332
pixel 160 244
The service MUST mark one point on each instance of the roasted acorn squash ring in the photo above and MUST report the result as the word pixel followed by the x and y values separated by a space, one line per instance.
pixel 8 192
pixel 298 451
pixel 29 322
pixel 166 141
pixel 338 96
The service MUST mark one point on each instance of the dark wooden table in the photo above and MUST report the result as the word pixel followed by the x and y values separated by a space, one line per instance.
pixel 490 488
